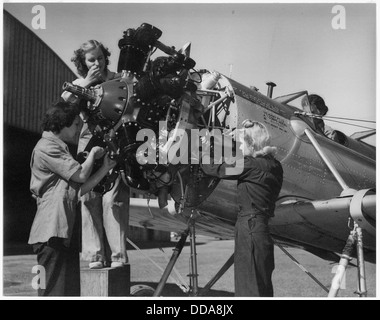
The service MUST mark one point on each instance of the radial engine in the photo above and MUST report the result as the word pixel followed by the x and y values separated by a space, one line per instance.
pixel 146 118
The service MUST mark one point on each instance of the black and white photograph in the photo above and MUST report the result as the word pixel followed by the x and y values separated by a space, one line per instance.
pixel 208 152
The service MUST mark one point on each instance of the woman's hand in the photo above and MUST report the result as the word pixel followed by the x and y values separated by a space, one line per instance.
pixel 108 163
pixel 98 152
pixel 94 75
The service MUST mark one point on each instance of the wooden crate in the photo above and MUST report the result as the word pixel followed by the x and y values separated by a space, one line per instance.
pixel 106 282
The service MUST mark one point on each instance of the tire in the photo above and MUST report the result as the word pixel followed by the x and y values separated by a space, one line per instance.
pixel 141 290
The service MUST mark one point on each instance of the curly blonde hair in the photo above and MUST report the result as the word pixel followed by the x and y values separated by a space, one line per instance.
pixel 257 138
pixel 79 57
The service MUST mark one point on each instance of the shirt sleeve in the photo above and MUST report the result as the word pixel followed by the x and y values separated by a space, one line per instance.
pixel 227 171
pixel 60 161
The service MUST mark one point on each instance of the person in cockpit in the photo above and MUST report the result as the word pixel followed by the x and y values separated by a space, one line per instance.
pixel 318 107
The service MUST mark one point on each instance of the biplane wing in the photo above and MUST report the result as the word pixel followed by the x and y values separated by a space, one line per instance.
pixel 317 226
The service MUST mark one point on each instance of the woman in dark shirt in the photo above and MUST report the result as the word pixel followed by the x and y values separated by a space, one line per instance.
pixel 258 186
pixel 57 181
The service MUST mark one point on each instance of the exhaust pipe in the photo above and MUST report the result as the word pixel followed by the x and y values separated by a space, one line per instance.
pixel 270 85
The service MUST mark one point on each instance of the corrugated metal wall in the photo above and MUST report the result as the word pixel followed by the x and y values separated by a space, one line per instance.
pixel 33 76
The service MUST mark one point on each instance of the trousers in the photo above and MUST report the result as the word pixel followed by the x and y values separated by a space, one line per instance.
pixel 104 219
pixel 254 256
pixel 62 268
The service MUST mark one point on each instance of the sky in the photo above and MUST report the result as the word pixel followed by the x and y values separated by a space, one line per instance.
pixel 298 46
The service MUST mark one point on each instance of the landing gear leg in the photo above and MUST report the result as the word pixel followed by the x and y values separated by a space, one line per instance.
pixel 193 258
pixel 176 252
pixel 354 239
pixel 362 286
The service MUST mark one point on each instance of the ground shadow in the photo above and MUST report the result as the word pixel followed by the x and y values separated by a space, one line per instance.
pixel 172 290
pixel 158 244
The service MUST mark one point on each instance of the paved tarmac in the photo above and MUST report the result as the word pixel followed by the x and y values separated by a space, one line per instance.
pixel 288 279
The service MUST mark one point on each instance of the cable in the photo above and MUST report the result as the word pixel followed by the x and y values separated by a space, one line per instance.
pixel 350 124
pixel 328 118
pixel 360 120
pixel 300 266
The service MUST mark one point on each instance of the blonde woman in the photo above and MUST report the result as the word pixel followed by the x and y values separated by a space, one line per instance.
pixel 103 217
pixel 258 186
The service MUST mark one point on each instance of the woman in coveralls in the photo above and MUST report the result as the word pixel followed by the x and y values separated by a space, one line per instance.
pixel 258 186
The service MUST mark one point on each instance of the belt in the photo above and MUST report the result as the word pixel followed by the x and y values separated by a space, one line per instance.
pixel 249 211
pixel 253 211
pixel 258 215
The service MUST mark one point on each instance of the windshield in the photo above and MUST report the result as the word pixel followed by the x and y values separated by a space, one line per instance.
pixel 370 140
pixel 297 100
pixel 368 137
pixel 301 103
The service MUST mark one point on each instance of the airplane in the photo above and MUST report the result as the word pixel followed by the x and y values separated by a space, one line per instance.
pixel 327 204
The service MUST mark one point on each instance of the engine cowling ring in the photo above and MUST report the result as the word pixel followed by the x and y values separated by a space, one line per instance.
pixel 362 214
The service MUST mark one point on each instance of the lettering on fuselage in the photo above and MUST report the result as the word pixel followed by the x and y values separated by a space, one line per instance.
pixel 250 96
pixel 275 121
pixel 272 114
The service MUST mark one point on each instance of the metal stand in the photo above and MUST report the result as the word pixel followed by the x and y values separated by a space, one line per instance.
pixel 362 286
pixel 123 231
pixel 193 275
pixel 354 239
pixel 193 259
pixel 176 252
